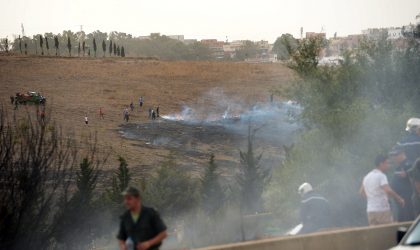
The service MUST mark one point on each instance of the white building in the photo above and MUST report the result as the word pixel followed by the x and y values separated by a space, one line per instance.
pixel 394 33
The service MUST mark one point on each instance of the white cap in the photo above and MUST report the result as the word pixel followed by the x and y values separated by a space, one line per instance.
pixel 305 188
pixel 412 123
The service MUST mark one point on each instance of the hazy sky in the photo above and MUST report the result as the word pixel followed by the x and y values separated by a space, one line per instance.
pixel 237 19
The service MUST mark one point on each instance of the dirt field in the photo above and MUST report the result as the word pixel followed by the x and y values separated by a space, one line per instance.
pixel 76 86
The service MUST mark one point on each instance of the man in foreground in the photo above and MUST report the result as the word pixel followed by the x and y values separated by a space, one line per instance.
pixel 141 227
pixel 376 189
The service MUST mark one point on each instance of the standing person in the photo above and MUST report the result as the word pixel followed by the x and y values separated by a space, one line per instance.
pixel 141 101
pixel 86 119
pixel 401 184
pixel 157 112
pixel 375 189
pixel 42 116
pixel 414 174
pixel 153 115
pixel 141 227
pixel 126 115
pixel 131 106
pixel 411 142
pixel 101 113
pixel 150 113
pixel 314 210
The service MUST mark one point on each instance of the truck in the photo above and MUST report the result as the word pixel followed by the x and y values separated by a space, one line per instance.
pixel 30 97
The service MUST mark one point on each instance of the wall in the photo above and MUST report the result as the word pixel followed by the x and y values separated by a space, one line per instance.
pixel 366 238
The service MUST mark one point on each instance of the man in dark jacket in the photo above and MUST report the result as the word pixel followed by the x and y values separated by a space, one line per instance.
pixel 141 227
pixel 401 184
pixel 314 210
pixel 411 142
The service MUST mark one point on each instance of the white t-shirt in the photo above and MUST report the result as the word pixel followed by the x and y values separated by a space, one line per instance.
pixel 377 199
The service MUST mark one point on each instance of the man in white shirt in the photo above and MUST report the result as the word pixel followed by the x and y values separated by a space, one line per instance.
pixel 376 189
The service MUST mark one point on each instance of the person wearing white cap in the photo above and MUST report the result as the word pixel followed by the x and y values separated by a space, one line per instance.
pixel 314 210
pixel 411 142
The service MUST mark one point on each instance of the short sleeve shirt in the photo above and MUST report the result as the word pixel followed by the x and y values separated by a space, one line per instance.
pixel 377 199
pixel 148 226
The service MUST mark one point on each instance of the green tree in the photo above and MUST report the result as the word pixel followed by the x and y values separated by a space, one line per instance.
pixel 118 51
pixel 77 215
pixel 284 46
pixel 115 49
pixel 41 44
pixel 84 47
pixel 252 178
pixel 212 193
pixel 94 46
pixel 248 50
pixel 69 45
pixel 56 45
pixel 120 180
pixel 122 51
pixel 104 47
pixel 47 46
pixel 79 50
pixel 110 48
pixel 169 190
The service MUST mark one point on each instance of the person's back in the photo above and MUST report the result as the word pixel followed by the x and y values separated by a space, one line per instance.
pixel 314 212
pixel 411 145
pixel 402 186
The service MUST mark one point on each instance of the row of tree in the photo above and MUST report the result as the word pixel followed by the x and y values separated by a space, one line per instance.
pixel 82 48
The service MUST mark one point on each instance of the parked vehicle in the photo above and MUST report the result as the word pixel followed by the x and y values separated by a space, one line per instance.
pixel 409 238
pixel 30 97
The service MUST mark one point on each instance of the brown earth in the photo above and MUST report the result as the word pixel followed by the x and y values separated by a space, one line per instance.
pixel 76 86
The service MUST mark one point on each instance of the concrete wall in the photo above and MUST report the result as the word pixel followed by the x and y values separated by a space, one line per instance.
pixel 365 238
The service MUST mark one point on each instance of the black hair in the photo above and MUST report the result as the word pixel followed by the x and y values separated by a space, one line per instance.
pixel 380 159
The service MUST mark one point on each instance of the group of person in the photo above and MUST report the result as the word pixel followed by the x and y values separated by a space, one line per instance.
pixel 403 188
pixel 404 184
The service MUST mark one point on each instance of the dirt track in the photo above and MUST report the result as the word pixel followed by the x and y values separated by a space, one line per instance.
pixel 76 86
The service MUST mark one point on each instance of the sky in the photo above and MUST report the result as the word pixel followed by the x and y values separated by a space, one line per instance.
pixel 234 19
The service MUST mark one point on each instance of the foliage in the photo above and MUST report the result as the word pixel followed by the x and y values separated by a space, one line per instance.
pixel 171 191
pixel 36 163
pixel 283 45
pixel 352 112
pixel 252 178
pixel 69 45
pixel 120 180
pixel 94 46
pixel 248 50
pixel 212 193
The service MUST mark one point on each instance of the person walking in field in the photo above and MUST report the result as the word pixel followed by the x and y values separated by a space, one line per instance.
pixel 101 113
pixel 153 115
pixel 131 106
pixel 86 119
pixel 157 112
pixel 126 115
pixel 141 227
pixel 375 189
pixel 141 101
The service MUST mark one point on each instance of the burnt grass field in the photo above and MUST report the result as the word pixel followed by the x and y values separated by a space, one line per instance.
pixel 78 86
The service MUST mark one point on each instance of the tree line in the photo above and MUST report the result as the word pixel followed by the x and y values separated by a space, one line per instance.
pixel 103 44
pixel 40 45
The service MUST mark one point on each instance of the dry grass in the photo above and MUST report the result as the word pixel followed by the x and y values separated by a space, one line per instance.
pixel 75 86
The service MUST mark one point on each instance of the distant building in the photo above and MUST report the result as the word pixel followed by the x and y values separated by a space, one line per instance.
pixel 338 45
pixel 216 47
pixel 177 37
pixel 189 41
pixel 321 35
pixel 394 33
